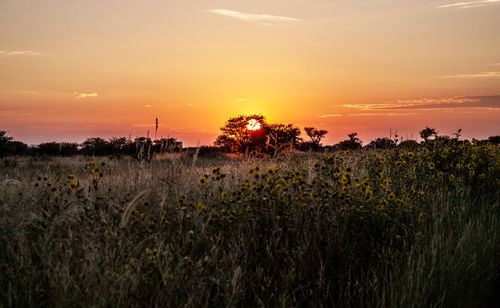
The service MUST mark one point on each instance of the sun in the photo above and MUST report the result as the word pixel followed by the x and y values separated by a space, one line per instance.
pixel 253 125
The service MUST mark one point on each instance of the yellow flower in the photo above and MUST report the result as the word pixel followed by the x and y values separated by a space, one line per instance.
pixel 431 165
pixel 336 174
pixel 96 170
pixel 382 159
pixel 223 195
pixel 72 177
pixel 73 186
pixel 201 208
pixel 203 181
pixel 391 196
pixel 410 155
pixel 270 170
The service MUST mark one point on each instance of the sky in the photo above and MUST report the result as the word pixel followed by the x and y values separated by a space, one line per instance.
pixel 70 70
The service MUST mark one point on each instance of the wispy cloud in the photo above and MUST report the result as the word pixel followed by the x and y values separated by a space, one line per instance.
pixel 330 115
pixel 258 18
pixel 476 75
pixel 19 53
pixel 384 114
pixel 469 4
pixel 482 102
pixel 84 95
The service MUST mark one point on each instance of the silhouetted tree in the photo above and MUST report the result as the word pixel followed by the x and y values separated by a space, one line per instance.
pixel 352 143
pixel 167 145
pixel 427 132
pixel 382 143
pixel 457 134
pixel 238 138
pixel 494 140
pixel 280 136
pixel 16 148
pixel 315 135
pixel 4 140
pixel 57 149
pixel 96 146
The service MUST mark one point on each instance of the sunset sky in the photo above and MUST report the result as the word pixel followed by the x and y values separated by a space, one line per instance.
pixel 76 69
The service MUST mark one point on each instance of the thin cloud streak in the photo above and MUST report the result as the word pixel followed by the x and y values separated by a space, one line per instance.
pixel 330 115
pixel 85 95
pixel 472 102
pixel 260 18
pixel 19 53
pixel 468 4
pixel 478 75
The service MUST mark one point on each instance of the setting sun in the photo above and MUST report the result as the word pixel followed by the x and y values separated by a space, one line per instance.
pixel 253 125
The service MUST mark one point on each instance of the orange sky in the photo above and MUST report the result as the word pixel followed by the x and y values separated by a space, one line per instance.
pixel 75 69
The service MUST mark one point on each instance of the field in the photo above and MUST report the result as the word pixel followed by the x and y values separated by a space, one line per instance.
pixel 378 228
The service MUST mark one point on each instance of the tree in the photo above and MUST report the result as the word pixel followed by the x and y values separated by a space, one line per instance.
pixel 279 136
pixel 315 135
pixel 4 140
pixel 427 132
pixel 382 143
pixel 96 146
pixel 352 143
pixel 237 137
pixel 494 140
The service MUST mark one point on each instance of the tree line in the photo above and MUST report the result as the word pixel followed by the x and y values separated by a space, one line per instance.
pixel 248 135
pixel 140 147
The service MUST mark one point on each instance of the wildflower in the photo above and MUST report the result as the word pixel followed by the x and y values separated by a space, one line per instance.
pixel 270 170
pixel 346 177
pixel 201 208
pixel 431 165
pixel 410 155
pixel 73 186
pixel 304 205
pixel 203 180
pixel 336 175
pixel 72 177
pixel 391 196
pixel 382 159
pixel 223 195
pixel 91 165
pixel 97 171
pixel 248 185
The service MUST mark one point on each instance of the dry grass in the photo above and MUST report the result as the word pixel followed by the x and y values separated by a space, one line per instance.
pixel 316 230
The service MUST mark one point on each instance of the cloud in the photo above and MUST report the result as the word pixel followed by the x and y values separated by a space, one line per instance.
pixel 469 4
pixel 259 18
pixel 19 53
pixel 459 102
pixel 85 95
pixel 477 75
pixel 385 114
pixel 330 115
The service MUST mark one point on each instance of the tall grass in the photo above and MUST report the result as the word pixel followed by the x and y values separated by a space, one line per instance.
pixel 342 229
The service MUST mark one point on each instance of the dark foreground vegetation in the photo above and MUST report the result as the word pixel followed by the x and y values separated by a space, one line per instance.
pixel 415 226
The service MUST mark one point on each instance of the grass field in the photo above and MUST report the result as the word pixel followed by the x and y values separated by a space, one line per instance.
pixel 396 228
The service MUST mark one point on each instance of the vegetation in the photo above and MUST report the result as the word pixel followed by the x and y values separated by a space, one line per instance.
pixel 414 225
